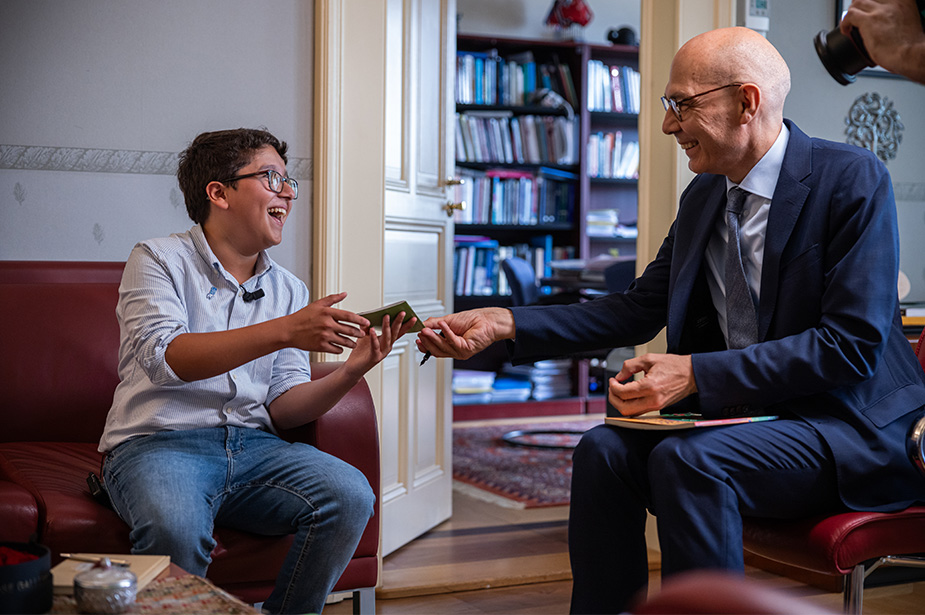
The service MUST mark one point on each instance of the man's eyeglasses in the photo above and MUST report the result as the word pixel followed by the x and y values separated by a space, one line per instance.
pixel 677 106
pixel 275 181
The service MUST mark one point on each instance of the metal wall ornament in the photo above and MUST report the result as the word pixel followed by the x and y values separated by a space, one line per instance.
pixel 874 124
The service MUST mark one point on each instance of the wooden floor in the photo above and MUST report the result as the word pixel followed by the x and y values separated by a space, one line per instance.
pixel 493 559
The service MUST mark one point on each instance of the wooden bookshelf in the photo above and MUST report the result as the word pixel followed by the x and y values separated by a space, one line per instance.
pixel 567 68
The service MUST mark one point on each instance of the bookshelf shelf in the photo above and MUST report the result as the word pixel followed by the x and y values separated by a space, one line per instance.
pixel 512 109
pixel 617 181
pixel 498 113
pixel 531 166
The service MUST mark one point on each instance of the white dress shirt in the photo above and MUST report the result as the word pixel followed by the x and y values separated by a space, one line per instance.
pixel 760 184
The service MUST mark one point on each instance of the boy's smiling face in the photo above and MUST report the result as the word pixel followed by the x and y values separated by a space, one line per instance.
pixel 256 213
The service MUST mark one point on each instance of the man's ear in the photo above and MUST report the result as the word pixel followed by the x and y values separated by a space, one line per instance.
pixel 215 191
pixel 749 100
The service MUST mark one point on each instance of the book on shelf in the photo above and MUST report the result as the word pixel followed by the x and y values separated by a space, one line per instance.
pixel 556 195
pixel 491 78
pixel 612 88
pixel 489 136
pixel 609 157
pixel 477 262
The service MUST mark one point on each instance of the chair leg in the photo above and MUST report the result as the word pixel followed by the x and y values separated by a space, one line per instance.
pixel 854 591
pixel 364 601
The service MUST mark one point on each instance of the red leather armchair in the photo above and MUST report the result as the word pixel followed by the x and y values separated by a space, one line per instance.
pixel 58 366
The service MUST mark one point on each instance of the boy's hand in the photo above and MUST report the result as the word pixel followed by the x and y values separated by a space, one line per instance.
pixel 374 348
pixel 320 327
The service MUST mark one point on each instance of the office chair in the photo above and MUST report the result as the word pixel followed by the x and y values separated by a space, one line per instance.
pixel 522 280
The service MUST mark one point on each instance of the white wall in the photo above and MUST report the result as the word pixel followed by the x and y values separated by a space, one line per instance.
pixel 527 18
pixel 98 97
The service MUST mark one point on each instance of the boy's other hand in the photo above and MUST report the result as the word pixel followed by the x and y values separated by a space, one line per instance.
pixel 323 328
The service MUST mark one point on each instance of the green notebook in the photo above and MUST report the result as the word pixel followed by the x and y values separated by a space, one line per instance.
pixel 375 316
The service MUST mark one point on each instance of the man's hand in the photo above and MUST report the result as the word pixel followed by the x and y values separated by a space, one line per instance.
pixel 465 334
pixel 320 327
pixel 668 379
pixel 373 348
pixel 892 34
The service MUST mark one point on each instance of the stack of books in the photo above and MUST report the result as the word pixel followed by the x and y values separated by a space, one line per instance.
pixel 549 379
pixel 472 387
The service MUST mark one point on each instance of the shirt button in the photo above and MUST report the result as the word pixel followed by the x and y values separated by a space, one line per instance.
pixel 234 377
pixel 228 410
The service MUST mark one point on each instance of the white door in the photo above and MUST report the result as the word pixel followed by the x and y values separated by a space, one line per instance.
pixel 416 406
pixel 385 105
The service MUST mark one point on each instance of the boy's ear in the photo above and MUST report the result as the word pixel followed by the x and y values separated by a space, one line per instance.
pixel 215 191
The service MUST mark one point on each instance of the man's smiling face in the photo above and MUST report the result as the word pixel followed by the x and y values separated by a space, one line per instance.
pixel 706 131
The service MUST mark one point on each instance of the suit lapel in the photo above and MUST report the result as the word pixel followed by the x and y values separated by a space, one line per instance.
pixel 693 228
pixel 789 196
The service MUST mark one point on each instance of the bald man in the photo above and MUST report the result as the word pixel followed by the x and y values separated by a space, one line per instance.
pixel 809 331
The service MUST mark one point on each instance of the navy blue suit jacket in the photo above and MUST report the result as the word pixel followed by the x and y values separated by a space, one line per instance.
pixel 831 348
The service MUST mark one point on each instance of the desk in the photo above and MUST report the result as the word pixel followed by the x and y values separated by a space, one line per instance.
pixel 174 591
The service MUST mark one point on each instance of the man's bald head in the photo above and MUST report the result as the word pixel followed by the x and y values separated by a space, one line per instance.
pixel 736 55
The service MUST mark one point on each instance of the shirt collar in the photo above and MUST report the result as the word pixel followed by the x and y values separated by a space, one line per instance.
pixel 264 263
pixel 762 179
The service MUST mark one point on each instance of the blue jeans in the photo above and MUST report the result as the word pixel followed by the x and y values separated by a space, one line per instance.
pixel 698 483
pixel 173 487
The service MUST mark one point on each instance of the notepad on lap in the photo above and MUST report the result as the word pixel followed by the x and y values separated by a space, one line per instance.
pixel 679 421
pixel 145 567
pixel 375 316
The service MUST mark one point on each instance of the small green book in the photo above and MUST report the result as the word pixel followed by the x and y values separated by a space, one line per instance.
pixel 375 316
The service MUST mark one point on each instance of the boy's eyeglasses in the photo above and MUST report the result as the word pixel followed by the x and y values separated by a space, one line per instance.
pixel 275 181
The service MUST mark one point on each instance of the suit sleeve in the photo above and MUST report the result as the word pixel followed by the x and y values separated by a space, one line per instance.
pixel 613 321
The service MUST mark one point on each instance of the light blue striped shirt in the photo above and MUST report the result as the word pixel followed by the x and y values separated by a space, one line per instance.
pixel 176 285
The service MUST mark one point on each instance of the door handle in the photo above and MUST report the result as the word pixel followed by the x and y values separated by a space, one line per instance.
pixel 449 208
pixel 455 181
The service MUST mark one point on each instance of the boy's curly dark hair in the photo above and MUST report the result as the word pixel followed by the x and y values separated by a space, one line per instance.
pixel 214 156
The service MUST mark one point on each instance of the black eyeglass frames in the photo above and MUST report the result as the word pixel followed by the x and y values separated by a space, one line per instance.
pixel 676 105
pixel 275 181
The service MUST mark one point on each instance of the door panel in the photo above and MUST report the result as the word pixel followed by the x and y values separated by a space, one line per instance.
pixel 417 239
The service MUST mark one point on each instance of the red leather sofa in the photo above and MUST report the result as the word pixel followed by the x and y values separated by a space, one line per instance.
pixel 59 341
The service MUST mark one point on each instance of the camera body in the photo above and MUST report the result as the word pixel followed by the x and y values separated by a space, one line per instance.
pixel 845 56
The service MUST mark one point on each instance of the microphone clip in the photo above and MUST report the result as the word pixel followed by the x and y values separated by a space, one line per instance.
pixel 257 294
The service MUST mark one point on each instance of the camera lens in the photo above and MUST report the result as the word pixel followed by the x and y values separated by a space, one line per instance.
pixel 843 57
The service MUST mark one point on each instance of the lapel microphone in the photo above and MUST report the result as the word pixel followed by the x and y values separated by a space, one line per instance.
pixel 257 294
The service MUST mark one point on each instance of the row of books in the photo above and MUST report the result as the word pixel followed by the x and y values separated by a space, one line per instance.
pixel 612 88
pixel 486 78
pixel 477 262
pixel 504 196
pixel 609 156
pixel 502 137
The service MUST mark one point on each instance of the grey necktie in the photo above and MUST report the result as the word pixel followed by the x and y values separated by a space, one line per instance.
pixel 741 321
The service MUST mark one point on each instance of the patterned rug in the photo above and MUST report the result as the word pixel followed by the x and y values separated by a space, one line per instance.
pixel 486 466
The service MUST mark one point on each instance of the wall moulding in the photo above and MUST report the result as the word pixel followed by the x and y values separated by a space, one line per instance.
pixel 96 160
